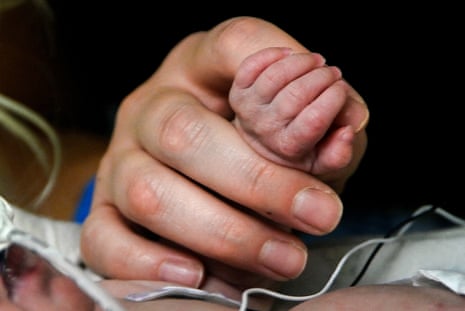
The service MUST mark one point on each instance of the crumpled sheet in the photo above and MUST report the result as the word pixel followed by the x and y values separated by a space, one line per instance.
pixel 452 280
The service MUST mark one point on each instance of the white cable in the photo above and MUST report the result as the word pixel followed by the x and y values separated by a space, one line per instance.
pixel 328 285
pixel 422 209
pixel 452 218
pixel 28 114
pixel 438 210
pixel 26 135
pixel 441 212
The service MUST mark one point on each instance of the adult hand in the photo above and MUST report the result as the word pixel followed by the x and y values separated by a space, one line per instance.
pixel 177 168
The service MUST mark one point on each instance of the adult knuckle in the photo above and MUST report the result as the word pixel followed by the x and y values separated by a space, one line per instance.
pixel 182 132
pixel 229 240
pixel 235 32
pixel 260 173
pixel 144 197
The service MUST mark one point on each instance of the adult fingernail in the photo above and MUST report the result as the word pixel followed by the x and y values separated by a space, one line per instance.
pixel 283 258
pixel 286 259
pixel 364 122
pixel 181 272
pixel 318 211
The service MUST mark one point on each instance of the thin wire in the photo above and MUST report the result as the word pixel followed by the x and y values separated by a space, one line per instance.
pixel 451 217
pixel 400 229
pixel 26 135
pixel 328 285
pixel 15 127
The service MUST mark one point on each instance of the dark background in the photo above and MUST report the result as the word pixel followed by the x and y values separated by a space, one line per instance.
pixel 406 62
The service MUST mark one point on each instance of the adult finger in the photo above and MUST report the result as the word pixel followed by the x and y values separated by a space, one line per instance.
pixel 177 209
pixel 112 249
pixel 186 136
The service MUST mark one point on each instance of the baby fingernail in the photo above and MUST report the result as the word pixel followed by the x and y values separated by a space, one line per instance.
pixel 181 271
pixel 320 60
pixel 318 211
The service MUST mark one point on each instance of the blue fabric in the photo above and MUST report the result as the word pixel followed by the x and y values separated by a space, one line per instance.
pixel 83 208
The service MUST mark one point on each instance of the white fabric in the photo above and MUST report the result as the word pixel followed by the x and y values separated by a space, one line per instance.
pixel 63 235
pixel 414 258
pixel 433 257
pixel 452 280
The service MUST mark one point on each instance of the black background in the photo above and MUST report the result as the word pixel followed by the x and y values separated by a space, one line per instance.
pixel 406 62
